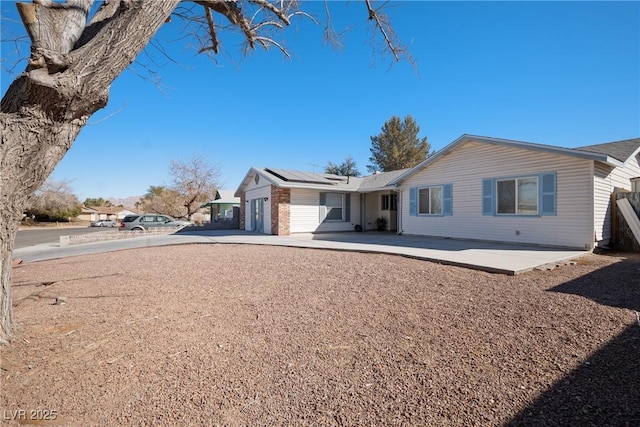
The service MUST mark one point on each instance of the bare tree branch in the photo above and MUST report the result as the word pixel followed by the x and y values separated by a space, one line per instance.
pixel 279 12
pixel 265 41
pixel 212 30
pixel 383 25
pixel 330 35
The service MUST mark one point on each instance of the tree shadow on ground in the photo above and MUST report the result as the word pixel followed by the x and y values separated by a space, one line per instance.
pixel 605 389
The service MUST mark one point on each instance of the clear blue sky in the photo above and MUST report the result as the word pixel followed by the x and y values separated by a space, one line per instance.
pixel 559 73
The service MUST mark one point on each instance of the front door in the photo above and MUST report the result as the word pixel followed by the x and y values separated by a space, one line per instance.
pixel 257 215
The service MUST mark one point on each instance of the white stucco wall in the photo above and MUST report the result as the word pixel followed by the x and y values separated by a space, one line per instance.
pixel 469 164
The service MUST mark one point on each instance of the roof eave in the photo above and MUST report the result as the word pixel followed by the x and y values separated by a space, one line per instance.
pixel 327 187
pixel 247 179
pixel 374 189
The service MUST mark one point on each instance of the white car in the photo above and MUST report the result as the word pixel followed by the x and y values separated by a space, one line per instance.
pixel 103 223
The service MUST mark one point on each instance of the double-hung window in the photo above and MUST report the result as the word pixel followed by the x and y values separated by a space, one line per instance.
pixel 430 201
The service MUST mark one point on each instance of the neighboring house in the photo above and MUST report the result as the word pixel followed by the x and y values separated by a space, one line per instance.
pixel 278 201
pixel 88 214
pixel 94 213
pixel 510 191
pixel 222 205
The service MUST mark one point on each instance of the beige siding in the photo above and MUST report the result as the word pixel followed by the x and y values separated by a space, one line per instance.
pixel 305 213
pixel 468 165
pixel 372 208
pixel 606 180
pixel 621 176
pixel 602 190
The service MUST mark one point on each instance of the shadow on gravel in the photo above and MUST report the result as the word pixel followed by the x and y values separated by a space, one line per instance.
pixel 605 390
pixel 617 285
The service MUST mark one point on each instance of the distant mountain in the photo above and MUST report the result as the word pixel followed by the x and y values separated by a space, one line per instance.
pixel 127 202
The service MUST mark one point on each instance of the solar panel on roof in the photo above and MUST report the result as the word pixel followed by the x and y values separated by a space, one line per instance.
pixel 297 176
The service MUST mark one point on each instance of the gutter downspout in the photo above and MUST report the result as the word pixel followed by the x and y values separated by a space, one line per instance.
pixel 399 211
pixel 363 207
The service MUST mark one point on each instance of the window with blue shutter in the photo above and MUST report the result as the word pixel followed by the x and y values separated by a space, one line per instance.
pixel 413 201
pixel 533 195
pixel 487 197
pixel 548 194
pixel 447 200
pixel 435 200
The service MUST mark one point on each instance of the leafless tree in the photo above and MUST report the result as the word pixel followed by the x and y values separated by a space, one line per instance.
pixel 161 200
pixel 54 199
pixel 74 58
pixel 195 181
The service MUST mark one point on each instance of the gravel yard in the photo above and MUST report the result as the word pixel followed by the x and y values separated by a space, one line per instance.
pixel 255 335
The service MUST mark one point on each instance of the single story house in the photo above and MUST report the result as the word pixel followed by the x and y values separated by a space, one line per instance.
pixel 477 188
pixel 278 201
pixel 222 205
pixel 94 213
pixel 511 191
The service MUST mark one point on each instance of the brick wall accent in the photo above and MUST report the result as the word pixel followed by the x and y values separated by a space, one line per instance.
pixel 280 216
pixel 243 208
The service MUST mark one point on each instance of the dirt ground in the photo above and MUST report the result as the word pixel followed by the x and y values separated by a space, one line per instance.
pixel 253 335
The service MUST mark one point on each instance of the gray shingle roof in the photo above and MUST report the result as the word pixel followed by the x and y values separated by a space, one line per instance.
pixel 379 180
pixel 620 150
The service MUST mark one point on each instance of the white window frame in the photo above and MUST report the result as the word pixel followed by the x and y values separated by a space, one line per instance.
pixel 329 208
pixel 516 207
pixel 429 190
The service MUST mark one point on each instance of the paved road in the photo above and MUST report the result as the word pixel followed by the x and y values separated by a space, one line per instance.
pixel 38 236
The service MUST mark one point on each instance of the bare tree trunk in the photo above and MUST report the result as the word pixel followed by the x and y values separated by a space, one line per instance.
pixel 45 108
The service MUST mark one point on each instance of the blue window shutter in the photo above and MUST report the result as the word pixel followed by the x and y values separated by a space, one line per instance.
pixel 347 207
pixel 487 197
pixel 413 201
pixel 323 199
pixel 547 194
pixel 447 200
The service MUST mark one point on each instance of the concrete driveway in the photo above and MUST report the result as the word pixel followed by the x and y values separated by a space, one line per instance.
pixel 488 256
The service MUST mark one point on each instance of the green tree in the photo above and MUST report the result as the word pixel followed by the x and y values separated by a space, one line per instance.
pixel 346 168
pixel 397 146
pixel 76 53
pixel 97 202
